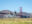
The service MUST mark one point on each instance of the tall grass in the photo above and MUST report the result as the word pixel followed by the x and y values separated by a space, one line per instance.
pixel 16 21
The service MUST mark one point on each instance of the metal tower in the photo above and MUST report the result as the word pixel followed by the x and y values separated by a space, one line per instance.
pixel 20 10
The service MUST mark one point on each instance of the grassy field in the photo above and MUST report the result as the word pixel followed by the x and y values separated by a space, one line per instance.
pixel 16 21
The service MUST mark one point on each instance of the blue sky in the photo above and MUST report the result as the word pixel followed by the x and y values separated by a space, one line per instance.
pixel 14 5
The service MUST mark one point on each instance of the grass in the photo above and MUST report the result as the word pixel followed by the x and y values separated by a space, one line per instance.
pixel 16 21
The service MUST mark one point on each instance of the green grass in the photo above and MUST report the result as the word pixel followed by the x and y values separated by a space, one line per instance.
pixel 16 21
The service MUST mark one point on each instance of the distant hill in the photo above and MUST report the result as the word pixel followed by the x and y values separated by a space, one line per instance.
pixel 3 12
pixel 7 11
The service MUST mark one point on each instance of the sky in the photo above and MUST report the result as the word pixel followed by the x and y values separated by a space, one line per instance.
pixel 14 5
